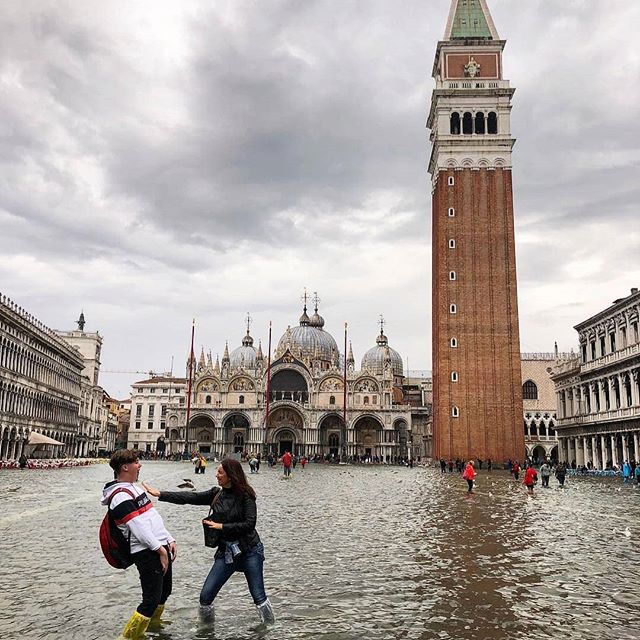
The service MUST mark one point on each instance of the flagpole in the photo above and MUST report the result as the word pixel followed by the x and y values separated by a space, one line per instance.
pixel 192 359
pixel 344 396
pixel 268 385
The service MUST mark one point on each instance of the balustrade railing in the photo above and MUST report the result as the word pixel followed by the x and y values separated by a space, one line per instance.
pixel 611 358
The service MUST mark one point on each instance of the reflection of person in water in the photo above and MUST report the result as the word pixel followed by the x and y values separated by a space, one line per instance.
pixel 22 461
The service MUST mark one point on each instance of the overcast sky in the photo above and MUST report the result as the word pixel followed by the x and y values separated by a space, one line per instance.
pixel 168 160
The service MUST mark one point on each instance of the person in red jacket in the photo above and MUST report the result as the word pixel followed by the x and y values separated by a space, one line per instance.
pixel 287 460
pixel 516 470
pixel 469 475
pixel 530 478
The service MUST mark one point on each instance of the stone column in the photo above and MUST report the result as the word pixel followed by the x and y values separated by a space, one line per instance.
pixel 595 452
pixel 635 374
pixel 603 449
pixel 625 448
pixel 585 448
pixel 613 403
pixel 614 451
pixel 636 447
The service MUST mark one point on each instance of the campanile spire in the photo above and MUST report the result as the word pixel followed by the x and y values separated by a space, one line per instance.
pixel 477 389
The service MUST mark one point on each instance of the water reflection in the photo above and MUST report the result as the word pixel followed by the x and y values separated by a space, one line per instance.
pixel 351 553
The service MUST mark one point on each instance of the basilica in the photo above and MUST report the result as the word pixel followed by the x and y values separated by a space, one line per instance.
pixel 296 402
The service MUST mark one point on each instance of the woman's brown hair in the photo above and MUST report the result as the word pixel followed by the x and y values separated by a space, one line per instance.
pixel 237 477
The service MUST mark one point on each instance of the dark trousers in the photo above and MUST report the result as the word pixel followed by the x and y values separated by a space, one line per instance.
pixel 545 481
pixel 156 586
pixel 470 483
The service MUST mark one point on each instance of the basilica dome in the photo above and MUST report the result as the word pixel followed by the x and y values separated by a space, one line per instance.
pixel 374 359
pixel 309 341
pixel 244 356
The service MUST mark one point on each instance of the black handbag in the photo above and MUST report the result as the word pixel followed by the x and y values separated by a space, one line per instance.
pixel 212 537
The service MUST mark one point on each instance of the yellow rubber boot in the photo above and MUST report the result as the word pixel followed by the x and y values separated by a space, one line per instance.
pixel 135 627
pixel 156 622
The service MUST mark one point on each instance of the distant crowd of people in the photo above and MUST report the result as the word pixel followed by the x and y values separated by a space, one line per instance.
pixel 23 462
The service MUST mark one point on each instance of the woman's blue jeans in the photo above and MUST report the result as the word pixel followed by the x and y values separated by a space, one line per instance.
pixel 249 563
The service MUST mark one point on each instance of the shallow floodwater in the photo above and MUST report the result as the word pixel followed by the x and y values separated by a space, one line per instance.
pixel 351 553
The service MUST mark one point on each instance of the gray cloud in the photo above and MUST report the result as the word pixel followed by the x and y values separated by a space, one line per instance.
pixel 166 160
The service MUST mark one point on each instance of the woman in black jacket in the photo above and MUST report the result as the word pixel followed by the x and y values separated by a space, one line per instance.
pixel 234 515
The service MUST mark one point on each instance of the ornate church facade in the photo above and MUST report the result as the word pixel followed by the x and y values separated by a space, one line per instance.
pixel 305 387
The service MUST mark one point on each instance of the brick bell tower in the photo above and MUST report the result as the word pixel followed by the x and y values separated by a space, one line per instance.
pixel 477 386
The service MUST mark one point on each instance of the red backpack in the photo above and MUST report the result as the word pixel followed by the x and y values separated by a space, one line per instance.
pixel 115 547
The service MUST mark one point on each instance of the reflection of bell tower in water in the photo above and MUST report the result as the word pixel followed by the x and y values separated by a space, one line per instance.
pixel 477 388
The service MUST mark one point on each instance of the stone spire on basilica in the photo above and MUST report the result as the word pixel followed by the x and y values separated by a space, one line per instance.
pixel 216 367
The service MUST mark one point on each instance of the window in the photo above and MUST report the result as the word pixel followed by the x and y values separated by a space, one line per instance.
pixel 453 308
pixel 612 341
pixel 451 181
pixel 149 425
pixel 467 122
pixel 140 390
pixel 181 400
pixel 366 400
pixel 138 410
pixel 163 410
pixel 529 390
pixel 603 346
pixel 452 212
pixel 452 275
pixel 178 389
pixel 623 337
pixel 452 244
pixel 480 122
pixel 241 400
pixel 453 343
pixel 137 425
pixel 135 445
pixel 332 400
pixel 454 376
pixel 454 125
pixel 238 440
pixel 165 391
pixel 152 390
pixel 152 410
pixel 207 400
pixel 163 425
pixel 492 122
pixel 584 353
pixel 455 412
pixel 593 350
pixel 635 331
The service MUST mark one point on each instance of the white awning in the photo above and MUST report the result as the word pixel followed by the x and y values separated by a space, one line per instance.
pixel 38 438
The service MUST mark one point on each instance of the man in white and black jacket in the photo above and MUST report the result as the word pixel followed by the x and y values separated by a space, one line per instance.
pixel 153 548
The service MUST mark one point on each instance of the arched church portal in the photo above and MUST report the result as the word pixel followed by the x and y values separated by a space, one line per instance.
pixel 201 434
pixel 368 433
pixel 235 432
pixel 332 436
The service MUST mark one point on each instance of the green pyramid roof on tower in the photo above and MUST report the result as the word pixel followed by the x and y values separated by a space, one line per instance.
pixel 470 21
